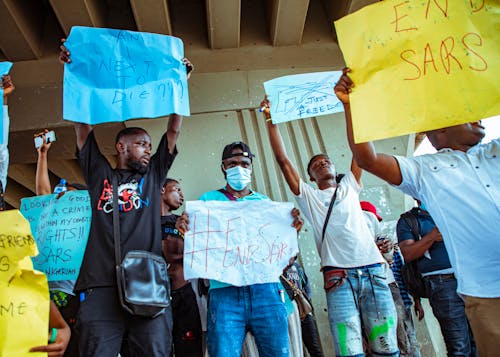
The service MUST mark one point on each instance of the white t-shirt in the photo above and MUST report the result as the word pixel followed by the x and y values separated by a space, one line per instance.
pixel 462 194
pixel 348 241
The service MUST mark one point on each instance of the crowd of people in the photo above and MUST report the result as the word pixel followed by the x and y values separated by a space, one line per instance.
pixel 450 235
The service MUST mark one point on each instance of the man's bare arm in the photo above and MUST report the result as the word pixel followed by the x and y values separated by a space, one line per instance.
pixel 412 250
pixel 289 171
pixel 384 166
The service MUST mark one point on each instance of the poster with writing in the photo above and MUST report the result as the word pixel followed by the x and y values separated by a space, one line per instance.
pixel 24 314
pixel 16 244
pixel 303 96
pixel 239 243
pixel 4 69
pixel 421 65
pixel 61 228
pixel 116 75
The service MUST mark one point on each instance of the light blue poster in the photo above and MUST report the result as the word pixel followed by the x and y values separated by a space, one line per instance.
pixel 303 96
pixel 116 75
pixel 4 69
pixel 61 228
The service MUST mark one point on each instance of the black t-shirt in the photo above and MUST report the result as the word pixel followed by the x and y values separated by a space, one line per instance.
pixel 168 226
pixel 139 201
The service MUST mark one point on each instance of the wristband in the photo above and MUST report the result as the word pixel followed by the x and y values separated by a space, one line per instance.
pixel 53 335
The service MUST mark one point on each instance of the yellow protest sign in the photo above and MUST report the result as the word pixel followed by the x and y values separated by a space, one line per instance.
pixel 24 314
pixel 421 65
pixel 16 244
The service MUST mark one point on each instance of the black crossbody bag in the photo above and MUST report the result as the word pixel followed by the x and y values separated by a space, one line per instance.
pixel 141 276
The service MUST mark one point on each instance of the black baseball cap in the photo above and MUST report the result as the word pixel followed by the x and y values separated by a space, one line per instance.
pixel 228 150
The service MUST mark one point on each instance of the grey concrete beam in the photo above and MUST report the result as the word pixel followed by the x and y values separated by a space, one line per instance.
pixel 223 23
pixel 90 13
pixel 68 169
pixel 15 191
pixel 288 18
pixel 152 16
pixel 23 174
pixel 21 29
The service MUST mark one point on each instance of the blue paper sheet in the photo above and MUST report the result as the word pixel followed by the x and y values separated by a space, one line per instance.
pixel 61 228
pixel 4 69
pixel 116 75
pixel 303 96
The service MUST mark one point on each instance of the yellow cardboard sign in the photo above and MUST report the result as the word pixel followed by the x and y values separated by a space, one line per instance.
pixel 16 244
pixel 421 65
pixel 24 314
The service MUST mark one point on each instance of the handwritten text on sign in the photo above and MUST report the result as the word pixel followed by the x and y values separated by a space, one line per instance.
pixel 117 75
pixel 303 96
pixel 16 244
pixel 421 65
pixel 239 243
pixel 24 313
pixel 61 228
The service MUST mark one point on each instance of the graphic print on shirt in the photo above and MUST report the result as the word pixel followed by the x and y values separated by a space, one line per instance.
pixel 129 196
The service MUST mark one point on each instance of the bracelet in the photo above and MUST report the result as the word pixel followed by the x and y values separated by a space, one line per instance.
pixel 268 119
pixel 53 335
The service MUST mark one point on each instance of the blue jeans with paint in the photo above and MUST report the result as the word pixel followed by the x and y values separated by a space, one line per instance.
pixel 449 310
pixel 257 308
pixel 364 299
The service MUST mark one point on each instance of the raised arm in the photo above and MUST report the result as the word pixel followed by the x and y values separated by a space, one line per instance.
pixel 42 180
pixel 356 171
pixel 82 131
pixel 384 166
pixel 175 120
pixel 8 87
pixel 289 171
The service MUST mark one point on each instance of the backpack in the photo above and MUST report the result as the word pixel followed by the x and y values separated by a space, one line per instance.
pixel 411 276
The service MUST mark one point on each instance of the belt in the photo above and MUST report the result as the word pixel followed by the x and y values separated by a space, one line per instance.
pixel 328 268
pixel 449 275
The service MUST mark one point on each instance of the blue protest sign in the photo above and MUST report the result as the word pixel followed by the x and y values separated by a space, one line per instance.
pixel 61 228
pixel 4 69
pixel 303 96
pixel 116 75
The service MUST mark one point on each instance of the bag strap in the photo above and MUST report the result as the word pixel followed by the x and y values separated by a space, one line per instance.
pixel 412 221
pixel 227 194
pixel 116 226
pixel 292 286
pixel 327 218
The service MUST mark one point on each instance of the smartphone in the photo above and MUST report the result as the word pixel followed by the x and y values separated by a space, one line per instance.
pixel 50 137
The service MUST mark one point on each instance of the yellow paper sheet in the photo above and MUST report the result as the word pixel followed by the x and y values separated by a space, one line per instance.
pixel 24 314
pixel 421 64
pixel 16 244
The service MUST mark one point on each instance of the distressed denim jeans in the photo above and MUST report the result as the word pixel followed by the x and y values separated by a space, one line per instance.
pixel 364 299
pixel 257 308
pixel 449 310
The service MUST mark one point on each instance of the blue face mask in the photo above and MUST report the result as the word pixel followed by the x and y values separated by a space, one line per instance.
pixel 422 206
pixel 238 177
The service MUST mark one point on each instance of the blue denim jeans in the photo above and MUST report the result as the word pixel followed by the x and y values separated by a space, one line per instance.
pixel 449 310
pixel 258 308
pixel 364 299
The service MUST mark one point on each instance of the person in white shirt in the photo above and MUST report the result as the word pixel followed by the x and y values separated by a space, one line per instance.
pixel 459 185
pixel 355 281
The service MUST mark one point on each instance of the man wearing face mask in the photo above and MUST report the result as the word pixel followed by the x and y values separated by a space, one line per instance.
pixel 257 308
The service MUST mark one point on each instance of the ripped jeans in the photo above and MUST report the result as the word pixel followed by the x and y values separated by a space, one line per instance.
pixel 364 299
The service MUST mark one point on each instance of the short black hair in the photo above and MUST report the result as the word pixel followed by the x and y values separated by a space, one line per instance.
pixel 133 130
pixel 169 180
pixel 313 158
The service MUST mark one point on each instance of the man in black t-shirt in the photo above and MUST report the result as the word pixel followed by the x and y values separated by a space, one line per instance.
pixel 102 322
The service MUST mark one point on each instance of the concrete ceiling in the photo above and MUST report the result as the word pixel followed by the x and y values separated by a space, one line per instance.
pixel 218 35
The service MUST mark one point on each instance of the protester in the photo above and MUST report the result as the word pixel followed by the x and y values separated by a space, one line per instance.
pixel 8 87
pixel 61 291
pixel 407 342
pixel 187 331
pixel 459 185
pixel 102 322
pixel 262 311
pixel 355 282
pixel 419 239
pixel 310 335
